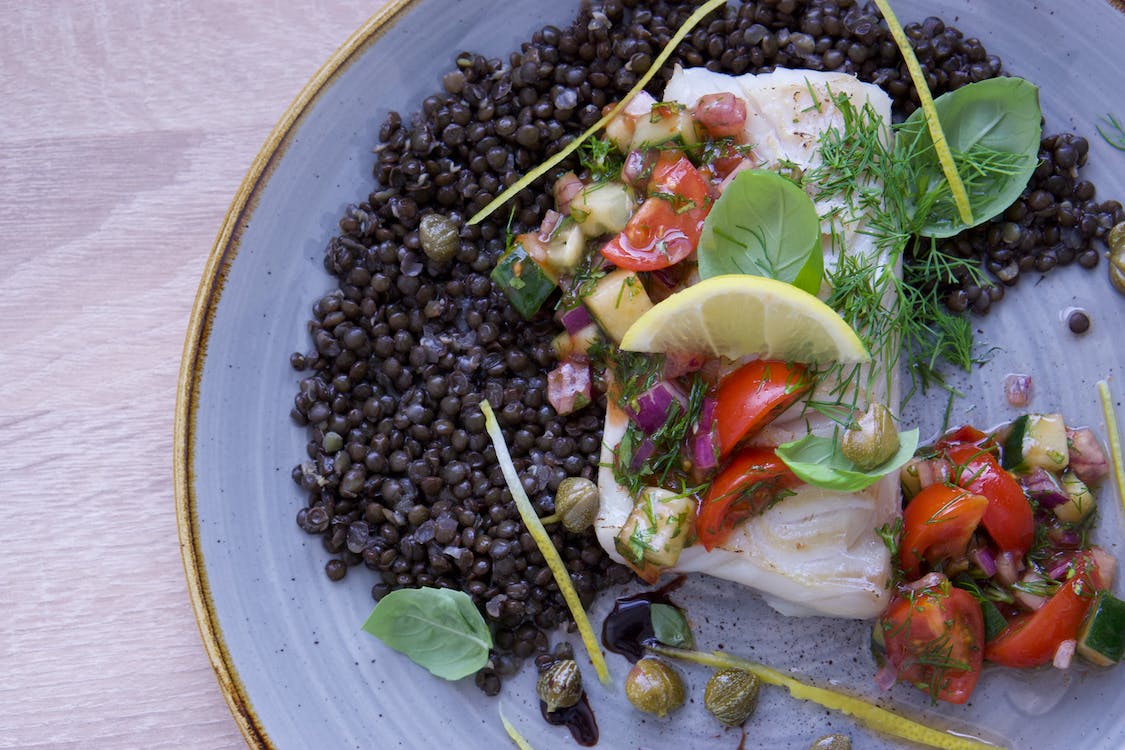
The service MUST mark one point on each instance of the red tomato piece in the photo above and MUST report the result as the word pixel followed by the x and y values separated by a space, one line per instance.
pixel 937 524
pixel 935 640
pixel 1008 518
pixel 722 114
pixel 666 228
pixel 751 396
pixel 1031 640
pixel 754 480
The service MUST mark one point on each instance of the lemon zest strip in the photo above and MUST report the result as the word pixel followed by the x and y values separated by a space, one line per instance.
pixel 514 733
pixel 692 21
pixel 543 541
pixel 937 135
pixel 1114 437
pixel 879 719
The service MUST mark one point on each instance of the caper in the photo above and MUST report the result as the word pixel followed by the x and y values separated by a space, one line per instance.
pixel 438 235
pixel 832 742
pixel 1116 242
pixel 576 503
pixel 560 685
pixel 732 696
pixel 872 439
pixel 654 687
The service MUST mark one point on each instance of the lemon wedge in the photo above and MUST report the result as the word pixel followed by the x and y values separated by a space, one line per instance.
pixel 738 315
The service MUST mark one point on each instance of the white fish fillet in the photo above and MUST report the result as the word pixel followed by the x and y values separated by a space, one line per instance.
pixel 816 552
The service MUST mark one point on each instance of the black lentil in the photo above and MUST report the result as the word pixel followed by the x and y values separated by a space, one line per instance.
pixel 400 476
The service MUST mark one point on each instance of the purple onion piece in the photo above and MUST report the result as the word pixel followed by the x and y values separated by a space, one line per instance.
pixel 704 450
pixel 676 365
pixel 568 386
pixel 1058 570
pixel 886 677
pixel 1007 568
pixel 1042 487
pixel 985 560
pixel 574 319
pixel 1087 459
pixel 1017 389
pixel 642 454
pixel 654 404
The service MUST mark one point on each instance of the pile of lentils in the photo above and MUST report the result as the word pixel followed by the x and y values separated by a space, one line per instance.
pixel 401 478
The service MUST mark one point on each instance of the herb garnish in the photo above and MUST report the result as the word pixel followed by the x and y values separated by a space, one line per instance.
pixel 601 159
pixel 1116 135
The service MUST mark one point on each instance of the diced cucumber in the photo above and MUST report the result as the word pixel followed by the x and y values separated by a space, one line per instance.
pixel 657 529
pixel 1037 440
pixel 668 122
pixel 1081 501
pixel 1102 640
pixel 602 208
pixel 617 300
pixel 577 343
pixel 526 285
pixel 620 129
pixel 567 248
pixel 909 479
pixel 994 622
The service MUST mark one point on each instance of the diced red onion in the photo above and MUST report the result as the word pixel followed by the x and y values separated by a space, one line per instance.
pixel 722 114
pixel 574 319
pixel 886 677
pixel 638 167
pixel 1087 459
pixel 547 227
pixel 985 560
pixel 676 365
pixel 742 166
pixel 930 580
pixel 933 471
pixel 1042 487
pixel 704 443
pixel 1061 567
pixel 1017 389
pixel 1064 653
pixel 653 406
pixel 566 190
pixel 1027 599
pixel 642 454
pixel 568 386
pixel 1007 568
pixel 1061 537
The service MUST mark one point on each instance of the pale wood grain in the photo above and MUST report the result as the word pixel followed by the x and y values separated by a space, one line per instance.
pixel 125 128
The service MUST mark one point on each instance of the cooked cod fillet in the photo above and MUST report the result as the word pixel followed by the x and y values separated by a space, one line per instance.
pixel 815 552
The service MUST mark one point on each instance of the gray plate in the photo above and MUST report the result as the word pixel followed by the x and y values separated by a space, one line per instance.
pixel 286 642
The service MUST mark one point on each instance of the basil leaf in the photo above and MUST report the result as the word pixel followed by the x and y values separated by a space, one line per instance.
pixel 819 461
pixel 670 626
pixel 439 629
pixel 993 128
pixel 763 225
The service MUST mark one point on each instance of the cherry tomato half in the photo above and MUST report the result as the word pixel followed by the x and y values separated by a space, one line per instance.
pixel 751 396
pixel 1008 518
pixel 937 524
pixel 1032 639
pixel 935 640
pixel 666 228
pixel 754 479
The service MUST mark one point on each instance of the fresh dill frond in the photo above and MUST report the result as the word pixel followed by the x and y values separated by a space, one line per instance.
pixel 1116 132
pixel 601 159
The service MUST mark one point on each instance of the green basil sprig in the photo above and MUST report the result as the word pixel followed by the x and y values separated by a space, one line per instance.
pixel 670 626
pixel 993 128
pixel 819 461
pixel 439 629
pixel 763 225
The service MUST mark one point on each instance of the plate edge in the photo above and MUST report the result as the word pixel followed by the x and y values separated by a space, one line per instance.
pixel 222 254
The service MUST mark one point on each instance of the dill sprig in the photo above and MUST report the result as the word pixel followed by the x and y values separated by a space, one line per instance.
pixel 601 159
pixel 896 306
pixel 1116 132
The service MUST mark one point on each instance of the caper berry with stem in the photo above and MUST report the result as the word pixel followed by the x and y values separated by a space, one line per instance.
pixel 560 684
pixel 654 687
pixel 576 504
pixel 732 696
pixel 438 236
pixel 832 742
pixel 872 439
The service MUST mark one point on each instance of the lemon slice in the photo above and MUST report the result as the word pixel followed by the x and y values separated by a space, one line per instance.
pixel 738 315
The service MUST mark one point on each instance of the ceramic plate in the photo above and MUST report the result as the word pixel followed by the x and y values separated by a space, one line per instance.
pixel 286 643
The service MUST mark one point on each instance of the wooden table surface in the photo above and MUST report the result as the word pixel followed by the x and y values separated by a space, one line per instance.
pixel 125 129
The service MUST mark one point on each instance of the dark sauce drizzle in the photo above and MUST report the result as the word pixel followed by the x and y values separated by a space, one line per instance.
pixel 629 625
pixel 579 719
